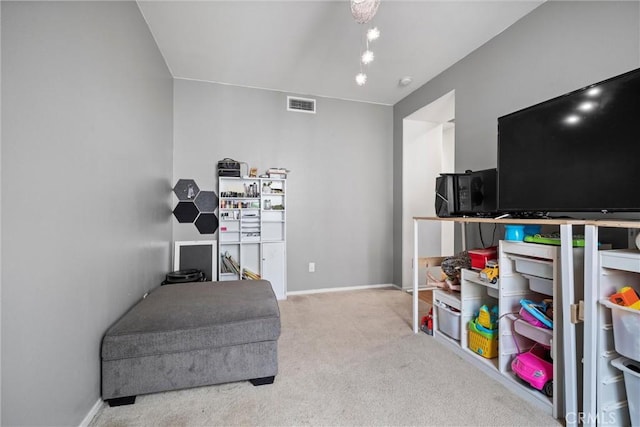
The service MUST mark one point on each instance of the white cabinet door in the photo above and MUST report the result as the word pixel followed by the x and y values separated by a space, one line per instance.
pixel 274 267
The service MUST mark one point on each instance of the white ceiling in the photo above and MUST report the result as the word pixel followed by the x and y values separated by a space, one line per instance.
pixel 313 47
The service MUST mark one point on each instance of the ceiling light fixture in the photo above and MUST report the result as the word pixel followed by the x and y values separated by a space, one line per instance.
pixel 367 57
pixel 373 34
pixel 363 12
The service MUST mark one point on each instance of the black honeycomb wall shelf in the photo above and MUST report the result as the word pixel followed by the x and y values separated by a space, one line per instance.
pixel 206 201
pixel 186 189
pixel 195 206
pixel 207 223
pixel 186 212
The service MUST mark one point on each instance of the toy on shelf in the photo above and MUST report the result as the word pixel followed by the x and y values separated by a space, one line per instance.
pixel 483 332
pixel 488 318
pixel 626 297
pixel 536 368
pixel 554 239
pixel 536 313
pixel 490 272
pixel 452 267
pixel 442 282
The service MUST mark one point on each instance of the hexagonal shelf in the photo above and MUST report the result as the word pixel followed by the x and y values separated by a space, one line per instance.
pixel 186 189
pixel 207 223
pixel 206 201
pixel 186 212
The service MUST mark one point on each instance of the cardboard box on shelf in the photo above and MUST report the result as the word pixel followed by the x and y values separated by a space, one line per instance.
pixel 433 271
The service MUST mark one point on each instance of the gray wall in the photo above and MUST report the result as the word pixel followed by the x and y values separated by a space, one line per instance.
pixel 339 201
pixel 559 47
pixel 86 171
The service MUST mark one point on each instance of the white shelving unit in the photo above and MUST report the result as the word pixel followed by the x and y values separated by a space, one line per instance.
pixel 565 265
pixel 606 271
pixel 523 267
pixel 253 229
pixel 586 369
pixel 516 260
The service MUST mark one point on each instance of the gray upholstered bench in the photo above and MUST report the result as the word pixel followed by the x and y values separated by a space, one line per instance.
pixel 191 335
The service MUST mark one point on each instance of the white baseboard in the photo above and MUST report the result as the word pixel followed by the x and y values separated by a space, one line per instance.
pixel 347 288
pixel 92 413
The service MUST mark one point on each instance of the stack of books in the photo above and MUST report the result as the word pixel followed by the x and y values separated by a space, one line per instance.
pixel 228 264
pixel 250 275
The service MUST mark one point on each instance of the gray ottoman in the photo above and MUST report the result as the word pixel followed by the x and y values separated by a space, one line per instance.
pixel 190 335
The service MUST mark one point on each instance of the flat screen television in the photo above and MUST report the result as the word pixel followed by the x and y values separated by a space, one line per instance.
pixel 579 152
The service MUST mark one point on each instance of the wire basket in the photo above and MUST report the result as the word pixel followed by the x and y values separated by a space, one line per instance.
pixel 483 343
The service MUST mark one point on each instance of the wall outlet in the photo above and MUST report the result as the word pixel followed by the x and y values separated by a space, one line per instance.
pixel 312 267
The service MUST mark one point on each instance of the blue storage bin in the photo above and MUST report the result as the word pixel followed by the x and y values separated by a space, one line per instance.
pixel 514 232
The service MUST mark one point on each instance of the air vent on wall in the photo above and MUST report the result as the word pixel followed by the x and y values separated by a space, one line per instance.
pixel 303 105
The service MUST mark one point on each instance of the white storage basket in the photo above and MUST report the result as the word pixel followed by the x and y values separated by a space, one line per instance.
pixel 631 370
pixel 626 329
pixel 540 285
pixel 533 266
pixel 448 322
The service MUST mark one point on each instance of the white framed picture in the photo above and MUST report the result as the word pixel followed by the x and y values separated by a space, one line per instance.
pixel 199 254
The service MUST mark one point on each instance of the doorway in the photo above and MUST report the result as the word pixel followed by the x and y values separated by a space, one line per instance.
pixel 428 150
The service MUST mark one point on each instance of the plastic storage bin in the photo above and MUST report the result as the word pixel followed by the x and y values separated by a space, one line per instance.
pixel 479 257
pixel 535 333
pixel 514 232
pixel 539 284
pixel 626 329
pixel 534 267
pixel 631 369
pixel 483 343
pixel 448 322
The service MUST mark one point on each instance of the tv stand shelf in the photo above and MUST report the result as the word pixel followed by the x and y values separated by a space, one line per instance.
pixel 566 238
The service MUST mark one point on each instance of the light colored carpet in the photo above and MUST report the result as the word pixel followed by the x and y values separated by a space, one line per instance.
pixel 345 359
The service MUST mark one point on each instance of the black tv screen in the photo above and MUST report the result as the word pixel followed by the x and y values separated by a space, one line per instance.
pixel 579 152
